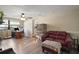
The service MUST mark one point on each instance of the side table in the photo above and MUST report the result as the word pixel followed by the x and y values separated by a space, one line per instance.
pixel 19 35
pixel 78 47
pixel 0 49
pixel 75 43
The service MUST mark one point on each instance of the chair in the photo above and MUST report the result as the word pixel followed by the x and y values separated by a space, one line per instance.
pixel 7 51
pixel 6 34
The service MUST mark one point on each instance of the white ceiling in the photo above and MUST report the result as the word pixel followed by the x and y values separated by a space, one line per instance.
pixel 34 10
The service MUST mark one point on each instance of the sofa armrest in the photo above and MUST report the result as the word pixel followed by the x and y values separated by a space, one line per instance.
pixel 44 37
pixel 68 38
pixel 69 41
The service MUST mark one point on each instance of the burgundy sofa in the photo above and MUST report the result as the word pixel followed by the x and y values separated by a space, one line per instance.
pixel 59 36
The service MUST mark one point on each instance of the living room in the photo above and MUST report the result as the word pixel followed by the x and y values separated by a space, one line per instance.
pixel 25 28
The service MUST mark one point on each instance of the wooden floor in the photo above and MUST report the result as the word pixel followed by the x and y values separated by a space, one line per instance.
pixel 22 46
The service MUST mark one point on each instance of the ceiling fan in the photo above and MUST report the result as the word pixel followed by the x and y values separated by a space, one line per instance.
pixel 24 18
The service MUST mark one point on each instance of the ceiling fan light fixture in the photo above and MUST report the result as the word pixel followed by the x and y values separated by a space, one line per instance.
pixel 22 16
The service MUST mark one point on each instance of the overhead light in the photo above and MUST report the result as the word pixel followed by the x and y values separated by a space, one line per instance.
pixel 22 16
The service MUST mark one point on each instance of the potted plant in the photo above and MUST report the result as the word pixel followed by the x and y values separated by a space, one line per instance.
pixel 1 17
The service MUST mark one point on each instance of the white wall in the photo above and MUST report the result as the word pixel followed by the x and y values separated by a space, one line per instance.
pixel 28 27
pixel 65 17
pixel 62 21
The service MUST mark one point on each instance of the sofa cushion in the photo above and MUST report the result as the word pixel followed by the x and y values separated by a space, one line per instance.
pixel 57 35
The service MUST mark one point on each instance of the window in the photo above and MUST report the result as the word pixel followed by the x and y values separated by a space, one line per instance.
pixel 13 23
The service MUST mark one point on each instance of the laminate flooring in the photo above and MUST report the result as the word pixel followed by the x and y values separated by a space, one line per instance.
pixel 22 46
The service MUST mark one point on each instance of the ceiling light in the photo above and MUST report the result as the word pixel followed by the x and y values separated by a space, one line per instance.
pixel 22 16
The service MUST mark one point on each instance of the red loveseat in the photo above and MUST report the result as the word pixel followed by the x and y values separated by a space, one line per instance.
pixel 59 36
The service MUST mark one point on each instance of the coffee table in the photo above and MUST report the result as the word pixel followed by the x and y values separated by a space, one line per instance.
pixel 51 46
